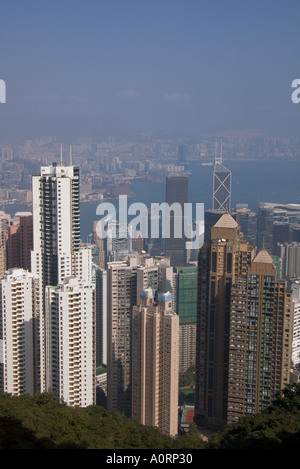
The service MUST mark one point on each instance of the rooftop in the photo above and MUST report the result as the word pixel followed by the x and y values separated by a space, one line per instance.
pixel 264 257
pixel 226 221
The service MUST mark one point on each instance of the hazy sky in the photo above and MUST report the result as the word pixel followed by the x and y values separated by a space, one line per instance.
pixel 83 67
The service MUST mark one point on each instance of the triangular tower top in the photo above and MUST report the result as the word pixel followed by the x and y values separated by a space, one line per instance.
pixel 226 221
pixel 264 257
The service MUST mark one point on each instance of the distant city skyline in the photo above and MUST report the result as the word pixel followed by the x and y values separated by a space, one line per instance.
pixel 123 68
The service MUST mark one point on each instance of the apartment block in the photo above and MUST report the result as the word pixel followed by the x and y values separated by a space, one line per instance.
pixel 244 328
pixel 70 345
pixel 19 290
pixel 155 362
pixel 125 281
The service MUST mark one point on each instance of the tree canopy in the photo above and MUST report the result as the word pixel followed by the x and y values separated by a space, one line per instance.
pixel 40 422
pixel 278 427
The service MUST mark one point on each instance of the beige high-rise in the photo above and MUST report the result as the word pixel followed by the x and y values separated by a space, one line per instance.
pixel 260 339
pixel 125 281
pixel 220 262
pixel 121 297
pixel 243 328
pixel 155 362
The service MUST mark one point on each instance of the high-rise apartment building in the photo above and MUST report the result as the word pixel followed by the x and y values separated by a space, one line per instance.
pixel 289 253
pixel 220 261
pixel 210 219
pixel 265 220
pixel 155 361
pixel 19 242
pixel 182 152
pixel 176 193
pixel 100 281
pixel 56 223
pixel 57 250
pixel 5 220
pixel 247 221
pixel 296 324
pixel 125 280
pixel 154 246
pixel 99 242
pixel 118 247
pixel 186 308
pixel 70 353
pixel 155 273
pixel 243 328
pixel 281 233
pixel 260 339
pixel 121 297
pixel 19 320
pixel 58 257
pixel 116 243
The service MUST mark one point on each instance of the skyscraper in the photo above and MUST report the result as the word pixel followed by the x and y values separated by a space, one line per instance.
pixel 154 246
pixel 155 361
pixel 182 150
pixel 19 319
pixel 210 219
pixel 100 280
pixel 71 352
pixel 260 339
pixel 58 257
pixel 116 243
pixel 265 220
pixel 19 242
pixel 220 261
pixel 186 308
pixel 176 192
pixel 121 297
pixel 290 256
pixel 5 220
pixel 243 328
pixel 248 223
pixel 125 280
pixel 99 242
pixel 221 186
pixel 56 223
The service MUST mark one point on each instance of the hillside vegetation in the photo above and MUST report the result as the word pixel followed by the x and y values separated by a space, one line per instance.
pixel 278 427
pixel 40 422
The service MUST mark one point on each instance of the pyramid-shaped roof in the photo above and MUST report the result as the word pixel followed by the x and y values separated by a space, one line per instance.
pixel 264 257
pixel 226 221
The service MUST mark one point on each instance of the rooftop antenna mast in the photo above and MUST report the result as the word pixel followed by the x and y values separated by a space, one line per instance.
pixel 71 155
pixel 61 154
pixel 218 159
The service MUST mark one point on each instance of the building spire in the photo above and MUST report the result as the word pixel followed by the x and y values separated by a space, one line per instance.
pixel 218 159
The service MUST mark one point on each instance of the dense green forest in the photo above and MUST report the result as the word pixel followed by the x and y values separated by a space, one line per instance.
pixel 40 422
pixel 278 427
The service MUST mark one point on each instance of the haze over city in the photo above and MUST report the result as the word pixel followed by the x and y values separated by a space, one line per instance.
pixel 174 68
pixel 149 226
